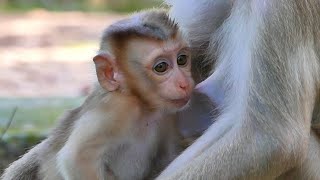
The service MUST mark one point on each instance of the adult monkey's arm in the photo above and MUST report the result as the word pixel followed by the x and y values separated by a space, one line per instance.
pixel 268 68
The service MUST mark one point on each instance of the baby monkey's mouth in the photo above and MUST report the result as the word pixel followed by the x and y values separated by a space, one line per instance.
pixel 179 103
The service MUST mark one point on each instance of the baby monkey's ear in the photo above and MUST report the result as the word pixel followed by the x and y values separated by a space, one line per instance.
pixel 106 69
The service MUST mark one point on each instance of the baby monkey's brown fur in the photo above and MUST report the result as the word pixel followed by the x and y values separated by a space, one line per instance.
pixel 126 127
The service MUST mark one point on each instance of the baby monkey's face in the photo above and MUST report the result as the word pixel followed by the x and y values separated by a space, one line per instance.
pixel 166 71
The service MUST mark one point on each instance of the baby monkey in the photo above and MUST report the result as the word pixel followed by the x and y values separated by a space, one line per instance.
pixel 126 127
pixel 143 66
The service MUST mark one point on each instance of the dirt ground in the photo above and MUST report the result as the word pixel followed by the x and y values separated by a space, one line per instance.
pixel 49 54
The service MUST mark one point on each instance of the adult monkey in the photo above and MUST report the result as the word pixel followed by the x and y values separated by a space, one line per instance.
pixel 266 63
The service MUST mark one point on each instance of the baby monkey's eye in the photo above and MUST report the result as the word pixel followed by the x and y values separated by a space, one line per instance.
pixel 160 67
pixel 182 60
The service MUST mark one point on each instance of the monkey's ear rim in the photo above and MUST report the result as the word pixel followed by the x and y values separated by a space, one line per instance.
pixel 106 69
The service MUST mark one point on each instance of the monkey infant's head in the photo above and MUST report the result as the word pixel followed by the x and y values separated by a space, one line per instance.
pixel 145 56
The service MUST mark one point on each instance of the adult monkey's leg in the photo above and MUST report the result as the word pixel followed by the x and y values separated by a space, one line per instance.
pixel 309 168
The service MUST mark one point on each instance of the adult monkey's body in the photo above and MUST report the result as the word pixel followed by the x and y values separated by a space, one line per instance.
pixel 266 55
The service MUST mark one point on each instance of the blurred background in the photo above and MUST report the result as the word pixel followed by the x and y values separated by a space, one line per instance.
pixel 46 47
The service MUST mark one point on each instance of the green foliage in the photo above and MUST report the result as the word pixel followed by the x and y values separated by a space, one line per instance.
pixel 79 5
pixel 15 146
pixel 131 5
pixel 31 123
pixel 23 141
pixel 34 115
pixel 61 5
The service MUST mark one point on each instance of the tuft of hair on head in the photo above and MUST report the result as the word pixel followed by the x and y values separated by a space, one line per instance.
pixel 158 20
pixel 153 24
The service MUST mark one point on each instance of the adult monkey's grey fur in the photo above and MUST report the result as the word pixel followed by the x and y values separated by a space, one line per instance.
pixel 265 55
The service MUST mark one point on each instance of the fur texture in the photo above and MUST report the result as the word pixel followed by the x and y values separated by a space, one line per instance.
pixel 265 56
